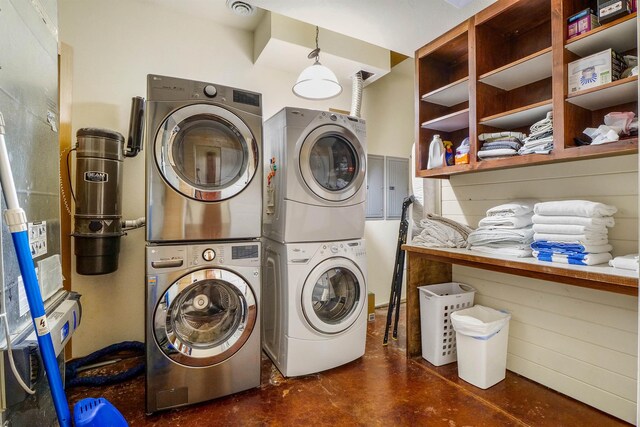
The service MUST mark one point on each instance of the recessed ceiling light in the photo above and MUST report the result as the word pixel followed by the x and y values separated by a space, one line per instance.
pixel 458 3
pixel 240 7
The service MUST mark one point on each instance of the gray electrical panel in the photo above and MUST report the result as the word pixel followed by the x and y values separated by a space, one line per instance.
pixel 375 187
pixel 397 185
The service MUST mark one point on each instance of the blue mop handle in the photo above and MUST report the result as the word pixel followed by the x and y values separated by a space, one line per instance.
pixel 17 222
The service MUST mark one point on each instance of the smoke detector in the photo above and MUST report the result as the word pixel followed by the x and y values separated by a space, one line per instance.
pixel 240 7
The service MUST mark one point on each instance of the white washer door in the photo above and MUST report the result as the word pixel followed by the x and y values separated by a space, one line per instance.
pixel 332 162
pixel 333 295
pixel 206 152
pixel 205 317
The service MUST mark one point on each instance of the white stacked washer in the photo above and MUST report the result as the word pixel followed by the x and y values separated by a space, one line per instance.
pixel 204 215
pixel 314 266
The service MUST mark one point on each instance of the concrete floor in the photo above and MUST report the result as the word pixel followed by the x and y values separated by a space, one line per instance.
pixel 382 388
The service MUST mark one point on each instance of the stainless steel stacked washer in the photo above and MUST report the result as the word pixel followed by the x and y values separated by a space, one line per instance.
pixel 314 256
pixel 204 194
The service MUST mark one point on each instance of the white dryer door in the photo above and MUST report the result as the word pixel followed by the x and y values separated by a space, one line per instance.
pixel 205 317
pixel 206 152
pixel 332 162
pixel 333 295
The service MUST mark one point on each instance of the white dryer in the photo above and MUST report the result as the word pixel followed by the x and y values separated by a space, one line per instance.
pixel 315 167
pixel 202 322
pixel 204 163
pixel 314 298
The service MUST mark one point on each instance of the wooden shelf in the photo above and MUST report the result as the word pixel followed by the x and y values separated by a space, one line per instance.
pixel 519 117
pixel 569 154
pixel 606 95
pixel 449 95
pixel 619 35
pixel 450 122
pixel 601 277
pixel 527 70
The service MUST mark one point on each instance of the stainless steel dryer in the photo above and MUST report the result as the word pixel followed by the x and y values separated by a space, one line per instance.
pixel 202 322
pixel 203 161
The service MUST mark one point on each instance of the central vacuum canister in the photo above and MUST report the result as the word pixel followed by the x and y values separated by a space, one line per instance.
pixel 98 215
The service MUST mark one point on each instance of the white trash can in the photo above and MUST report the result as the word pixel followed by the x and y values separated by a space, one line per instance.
pixel 437 302
pixel 482 334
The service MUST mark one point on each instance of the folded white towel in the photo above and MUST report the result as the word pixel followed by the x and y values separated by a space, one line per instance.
pixel 440 232
pixel 607 221
pixel 583 239
pixel 514 208
pixel 626 262
pixel 570 229
pixel 500 152
pixel 514 251
pixel 505 221
pixel 591 259
pixel 584 208
pixel 492 236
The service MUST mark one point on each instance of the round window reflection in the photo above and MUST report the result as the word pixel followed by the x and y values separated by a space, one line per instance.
pixel 209 153
pixel 206 314
pixel 335 295
pixel 333 162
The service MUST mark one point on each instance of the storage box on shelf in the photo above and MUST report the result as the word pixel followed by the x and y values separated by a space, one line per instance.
pixel 511 69
pixel 443 85
pixel 587 108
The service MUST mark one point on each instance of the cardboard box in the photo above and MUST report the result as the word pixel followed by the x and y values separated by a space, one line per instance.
pixel 595 70
pixel 581 23
pixel 371 299
pixel 610 10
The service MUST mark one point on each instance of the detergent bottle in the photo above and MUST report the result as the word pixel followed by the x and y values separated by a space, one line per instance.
pixel 448 155
pixel 436 153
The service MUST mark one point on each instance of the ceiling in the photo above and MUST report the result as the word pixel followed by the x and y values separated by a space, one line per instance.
pixel 398 25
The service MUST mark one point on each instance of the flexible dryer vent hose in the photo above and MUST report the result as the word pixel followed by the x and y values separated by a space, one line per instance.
pixel 356 96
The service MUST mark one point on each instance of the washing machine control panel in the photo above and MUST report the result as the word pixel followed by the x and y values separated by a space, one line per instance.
pixel 232 254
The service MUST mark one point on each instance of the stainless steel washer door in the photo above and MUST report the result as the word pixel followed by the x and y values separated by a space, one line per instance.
pixel 332 162
pixel 205 317
pixel 333 295
pixel 206 152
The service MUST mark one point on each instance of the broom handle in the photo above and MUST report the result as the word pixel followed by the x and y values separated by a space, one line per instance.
pixel 17 222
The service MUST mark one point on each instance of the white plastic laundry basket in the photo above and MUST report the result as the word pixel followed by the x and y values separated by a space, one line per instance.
pixel 482 335
pixel 437 302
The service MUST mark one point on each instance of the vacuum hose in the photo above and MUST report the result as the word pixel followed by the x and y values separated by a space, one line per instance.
pixel 356 96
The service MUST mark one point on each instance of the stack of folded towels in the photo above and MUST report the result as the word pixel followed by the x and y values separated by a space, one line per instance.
pixel 572 232
pixel 441 232
pixel 540 140
pixel 506 230
pixel 500 144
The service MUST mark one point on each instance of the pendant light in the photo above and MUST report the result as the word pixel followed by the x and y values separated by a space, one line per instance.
pixel 317 82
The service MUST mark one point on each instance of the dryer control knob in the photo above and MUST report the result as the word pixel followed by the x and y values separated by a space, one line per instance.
pixel 208 254
pixel 210 91
pixel 334 249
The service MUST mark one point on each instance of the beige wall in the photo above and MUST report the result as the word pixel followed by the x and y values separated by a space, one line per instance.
pixel 578 341
pixel 116 43
pixel 388 107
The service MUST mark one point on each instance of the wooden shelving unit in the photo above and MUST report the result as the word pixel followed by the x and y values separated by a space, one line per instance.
pixel 506 68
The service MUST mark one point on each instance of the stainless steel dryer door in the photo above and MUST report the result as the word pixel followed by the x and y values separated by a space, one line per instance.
pixel 205 317
pixel 333 295
pixel 332 162
pixel 205 152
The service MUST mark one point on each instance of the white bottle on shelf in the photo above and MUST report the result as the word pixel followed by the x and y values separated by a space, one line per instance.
pixel 436 153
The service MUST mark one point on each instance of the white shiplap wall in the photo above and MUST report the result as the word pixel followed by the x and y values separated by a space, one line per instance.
pixel 578 341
